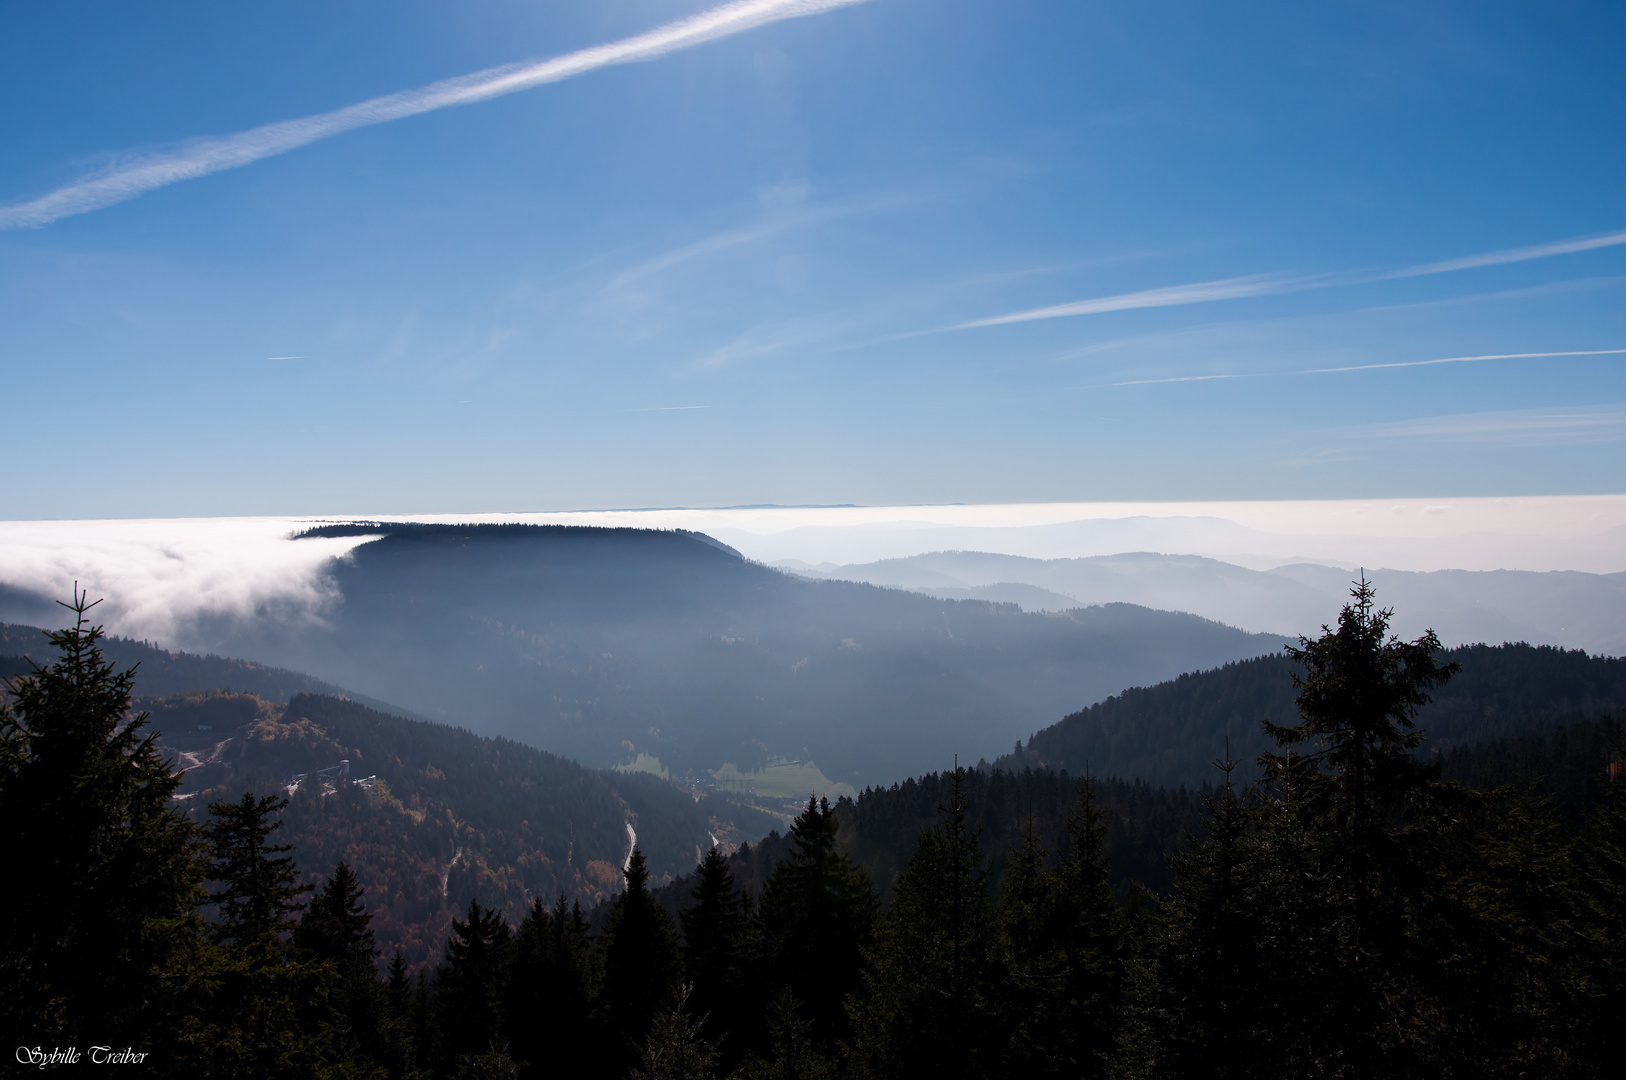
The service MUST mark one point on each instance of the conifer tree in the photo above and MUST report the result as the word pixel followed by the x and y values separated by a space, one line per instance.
pixel 713 942
pixel 641 960
pixel 551 990
pixel 263 1010
pixel 1091 936
pixel 817 914
pixel 470 984
pixel 98 924
pixel 1355 768
pixel 335 931
pixel 1352 780
pixel 399 1056
pixel 259 890
pixel 1604 868
pixel 933 1002
pixel 675 1048
pixel 1037 962
pixel 790 1052
pixel 1212 975
pixel 336 924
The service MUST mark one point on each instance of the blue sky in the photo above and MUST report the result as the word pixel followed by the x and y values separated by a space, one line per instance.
pixel 742 272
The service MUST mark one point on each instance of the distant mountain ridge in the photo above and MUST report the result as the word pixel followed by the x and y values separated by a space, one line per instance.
pixel 603 644
pixel 1567 608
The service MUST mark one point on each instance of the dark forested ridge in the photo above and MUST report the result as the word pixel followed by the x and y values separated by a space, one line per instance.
pixel 970 924
pixel 878 830
pixel 431 817
pixel 1147 827
pixel 163 673
pixel 605 643
pixel 1170 733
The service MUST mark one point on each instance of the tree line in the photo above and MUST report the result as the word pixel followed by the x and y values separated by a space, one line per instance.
pixel 1348 915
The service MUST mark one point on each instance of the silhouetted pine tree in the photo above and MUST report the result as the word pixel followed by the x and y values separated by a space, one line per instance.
pixel 1367 802
pixel 98 922
pixel 1603 868
pixel 470 986
pixel 1092 940
pixel 789 1051
pixel 817 914
pixel 399 1056
pixel 676 1047
pixel 263 1009
pixel 335 930
pixel 713 943
pixel 1212 976
pixel 1029 918
pixel 552 984
pixel 641 961
pixel 258 894
pixel 933 1003
pixel 335 925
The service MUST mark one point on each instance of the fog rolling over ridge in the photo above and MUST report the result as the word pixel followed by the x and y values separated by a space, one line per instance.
pixel 1569 608
pixel 605 643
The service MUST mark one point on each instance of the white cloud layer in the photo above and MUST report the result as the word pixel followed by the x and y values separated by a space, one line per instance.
pixel 164 579
pixel 210 155
pixel 167 580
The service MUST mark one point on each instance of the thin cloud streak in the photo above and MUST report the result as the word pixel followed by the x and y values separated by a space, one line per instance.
pixel 778 225
pixel 1193 378
pixel 1169 296
pixel 1605 423
pixel 1461 360
pixel 1276 283
pixel 1374 367
pixel 211 155
pixel 1512 255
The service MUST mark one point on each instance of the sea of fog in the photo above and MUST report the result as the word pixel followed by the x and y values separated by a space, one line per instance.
pixel 163 578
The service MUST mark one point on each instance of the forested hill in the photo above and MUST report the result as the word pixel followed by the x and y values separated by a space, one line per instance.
pixel 1171 733
pixel 602 644
pixel 431 816
pixel 163 673
pixel 1145 826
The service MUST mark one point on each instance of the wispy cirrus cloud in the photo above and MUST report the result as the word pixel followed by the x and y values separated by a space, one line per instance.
pixel 1513 255
pixel 1273 284
pixel 210 155
pixel 1584 424
pixel 1168 296
pixel 777 224
pixel 1374 367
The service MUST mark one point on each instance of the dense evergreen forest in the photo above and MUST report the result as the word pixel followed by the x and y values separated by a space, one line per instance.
pixel 1170 733
pixel 429 816
pixel 1348 906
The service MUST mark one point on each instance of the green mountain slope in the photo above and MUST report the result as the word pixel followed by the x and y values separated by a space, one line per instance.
pixel 1170 733
pixel 431 816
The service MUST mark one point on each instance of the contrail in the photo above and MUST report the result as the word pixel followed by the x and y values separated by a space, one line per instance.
pixel 1273 284
pixel 1374 367
pixel 1461 360
pixel 1168 296
pixel 210 155
pixel 1511 255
